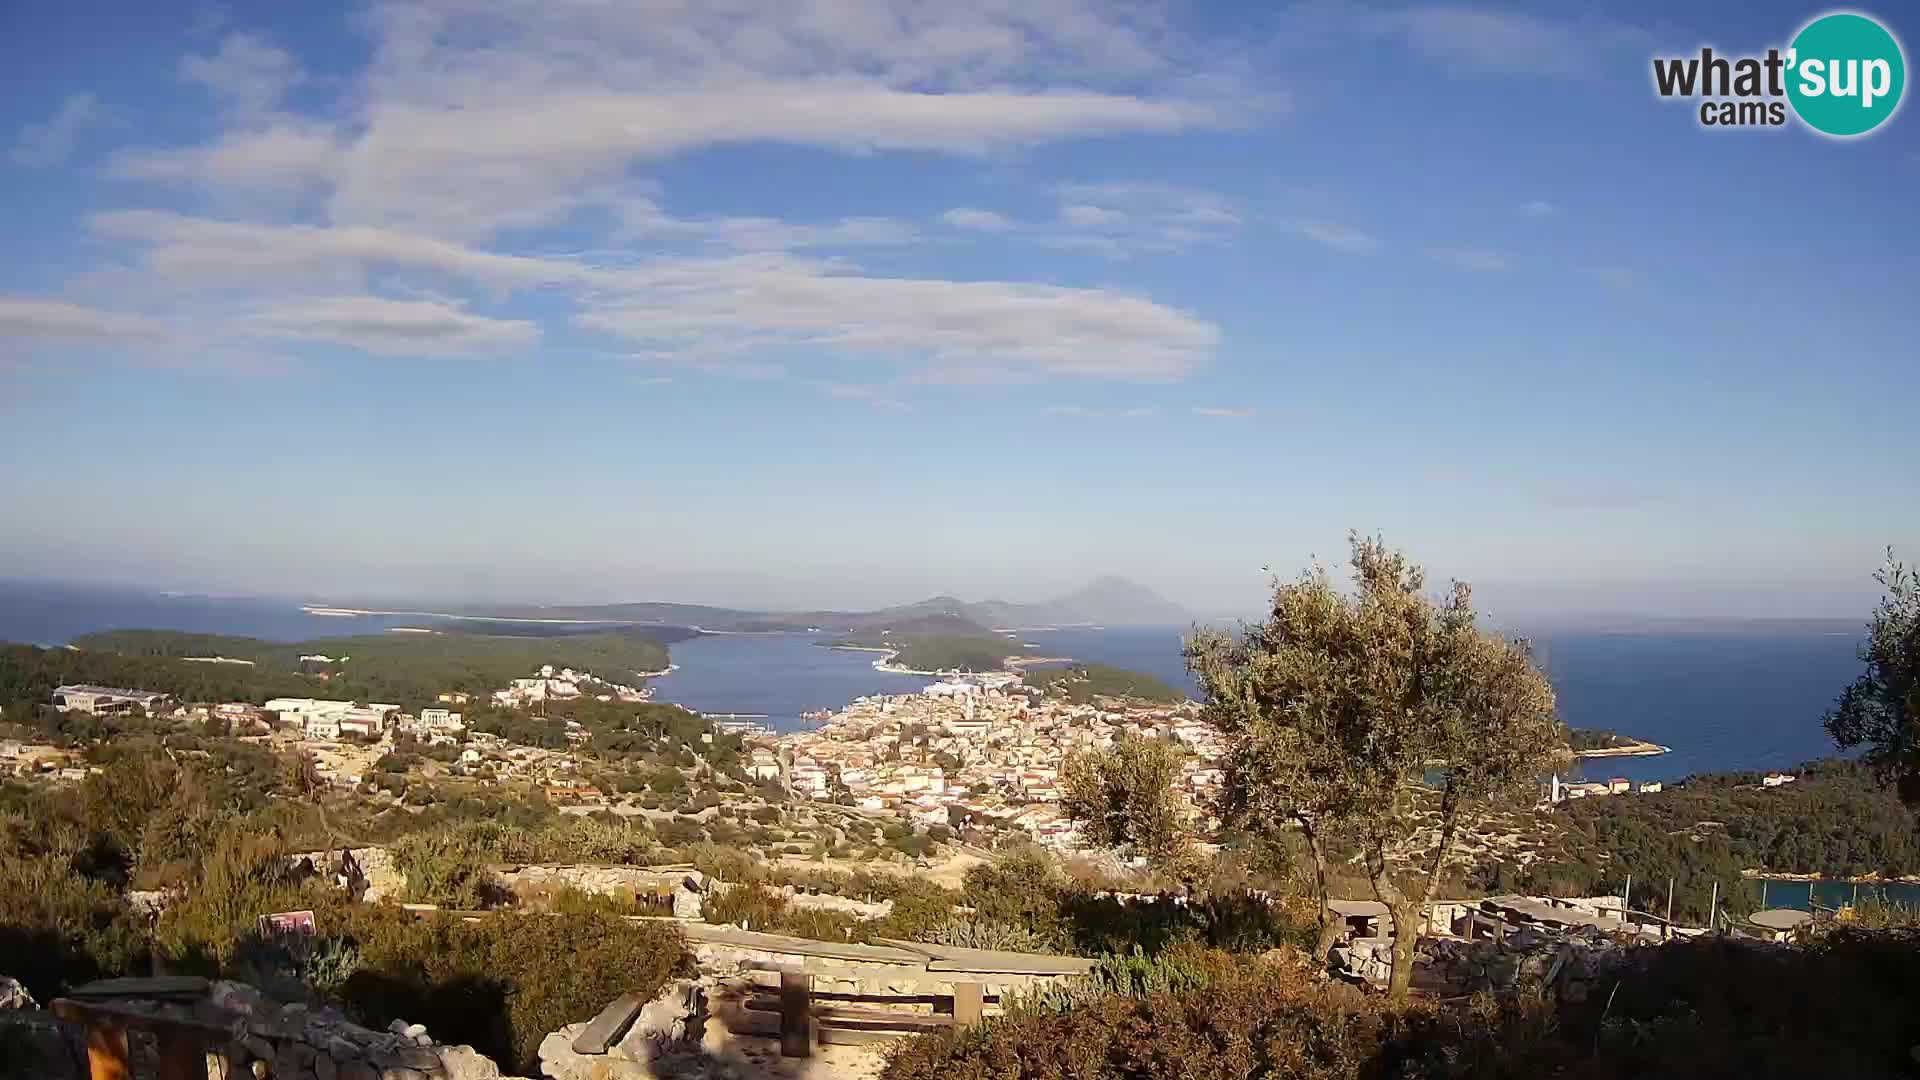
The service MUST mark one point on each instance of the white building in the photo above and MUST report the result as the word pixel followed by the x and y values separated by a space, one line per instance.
pixel 102 700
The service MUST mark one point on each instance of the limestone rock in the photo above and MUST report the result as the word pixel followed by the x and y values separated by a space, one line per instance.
pixel 466 1063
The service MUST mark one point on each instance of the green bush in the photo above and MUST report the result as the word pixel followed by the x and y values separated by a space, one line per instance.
pixel 1234 1021
pixel 750 907
pixel 502 982
pixel 449 869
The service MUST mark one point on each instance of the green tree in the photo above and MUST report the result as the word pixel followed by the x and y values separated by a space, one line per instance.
pixel 1341 705
pixel 1124 797
pixel 1881 709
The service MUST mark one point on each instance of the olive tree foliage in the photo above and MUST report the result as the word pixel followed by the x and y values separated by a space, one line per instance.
pixel 1880 710
pixel 1125 797
pixel 1339 707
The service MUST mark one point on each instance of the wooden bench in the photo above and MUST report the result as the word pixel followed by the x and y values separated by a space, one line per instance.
pixel 802 1018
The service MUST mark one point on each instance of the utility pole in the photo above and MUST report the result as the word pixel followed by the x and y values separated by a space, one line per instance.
pixel 1713 909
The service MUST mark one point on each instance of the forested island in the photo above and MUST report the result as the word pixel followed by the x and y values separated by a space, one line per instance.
pixel 1595 742
pixel 932 653
pixel 405 669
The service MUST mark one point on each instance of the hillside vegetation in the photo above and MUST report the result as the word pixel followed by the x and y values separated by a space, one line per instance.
pixel 1081 683
pixel 403 669
pixel 1835 821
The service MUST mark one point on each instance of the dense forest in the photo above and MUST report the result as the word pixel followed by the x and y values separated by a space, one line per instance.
pixel 1835 821
pixel 404 669
pixel 1081 683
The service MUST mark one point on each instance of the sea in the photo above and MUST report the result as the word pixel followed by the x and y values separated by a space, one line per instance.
pixel 1724 697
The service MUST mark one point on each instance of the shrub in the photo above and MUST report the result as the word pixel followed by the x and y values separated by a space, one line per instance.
pixel 502 982
pixel 750 907
pixel 246 874
pixel 981 934
pixel 448 869
pixel 58 928
pixel 1249 1020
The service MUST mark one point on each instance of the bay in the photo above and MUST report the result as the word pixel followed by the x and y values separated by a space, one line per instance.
pixel 1738 698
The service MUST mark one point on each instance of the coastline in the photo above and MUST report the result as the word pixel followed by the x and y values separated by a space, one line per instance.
pixel 1860 879
pixel 1638 749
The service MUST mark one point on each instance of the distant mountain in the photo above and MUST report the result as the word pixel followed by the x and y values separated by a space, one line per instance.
pixel 1105 601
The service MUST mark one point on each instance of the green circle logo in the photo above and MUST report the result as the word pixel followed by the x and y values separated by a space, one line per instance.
pixel 1845 74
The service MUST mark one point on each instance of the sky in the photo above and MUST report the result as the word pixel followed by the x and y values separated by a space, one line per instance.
pixel 850 302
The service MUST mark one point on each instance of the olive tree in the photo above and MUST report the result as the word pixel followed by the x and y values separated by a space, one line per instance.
pixel 1383 712
pixel 1125 797
pixel 1881 709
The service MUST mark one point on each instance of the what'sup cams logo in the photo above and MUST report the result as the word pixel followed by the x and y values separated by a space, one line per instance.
pixel 1843 76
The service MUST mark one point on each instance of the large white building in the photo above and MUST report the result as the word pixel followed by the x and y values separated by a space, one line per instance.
pixel 101 700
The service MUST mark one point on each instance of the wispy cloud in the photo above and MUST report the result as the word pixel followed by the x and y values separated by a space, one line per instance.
pixel 1475 39
pixel 1224 412
pixel 1337 237
pixel 393 327
pixel 53 141
pixel 1092 412
pixel 964 217
pixel 1478 260
pixel 884 398
pixel 1539 208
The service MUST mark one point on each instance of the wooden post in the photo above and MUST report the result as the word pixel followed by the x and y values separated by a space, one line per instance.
pixel 182 1054
pixel 796 1014
pixel 1626 901
pixel 107 1052
pixel 1669 931
pixel 1763 894
pixel 969 1002
pixel 1713 910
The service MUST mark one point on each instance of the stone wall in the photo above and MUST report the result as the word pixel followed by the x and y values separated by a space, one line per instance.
pixel 265 1041
pixel 1529 958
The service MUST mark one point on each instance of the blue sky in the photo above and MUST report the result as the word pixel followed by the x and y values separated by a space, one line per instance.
pixel 853 301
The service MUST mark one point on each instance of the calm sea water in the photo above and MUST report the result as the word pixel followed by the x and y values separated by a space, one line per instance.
pixel 1732 699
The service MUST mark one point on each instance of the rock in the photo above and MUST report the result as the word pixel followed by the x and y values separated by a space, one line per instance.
pixel 357 1070
pixel 262 1070
pixel 343 1049
pixel 33 1043
pixel 13 995
pixel 413 1031
pixel 403 1073
pixel 662 1022
pixel 398 1027
pixel 324 1068
pixel 258 1047
pixel 239 997
pixel 422 1039
pixel 466 1063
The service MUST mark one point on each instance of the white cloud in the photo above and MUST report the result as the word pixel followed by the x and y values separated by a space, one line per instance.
pixel 27 319
pixel 1086 216
pixel 1480 260
pixel 392 327
pixel 750 303
pixel 286 157
pixel 717 313
pixel 1223 412
pixel 1539 208
pixel 53 141
pixel 1341 238
pixel 249 73
pixel 962 217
